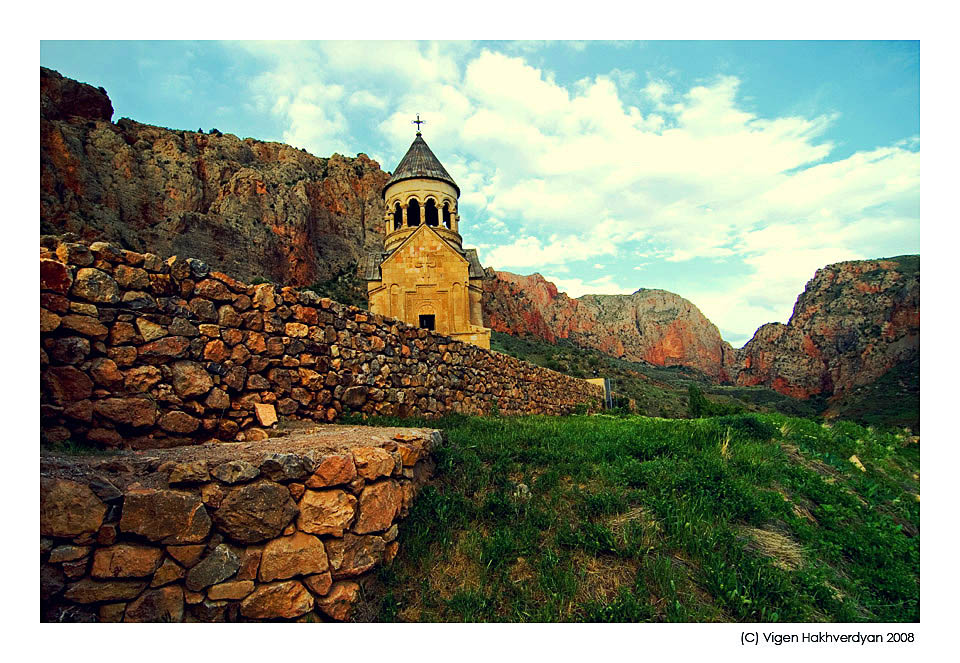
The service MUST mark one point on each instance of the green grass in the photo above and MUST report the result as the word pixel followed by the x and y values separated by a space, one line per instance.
pixel 750 517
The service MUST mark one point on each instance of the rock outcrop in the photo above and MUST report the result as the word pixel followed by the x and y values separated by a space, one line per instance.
pixel 653 326
pixel 246 207
pixel 854 322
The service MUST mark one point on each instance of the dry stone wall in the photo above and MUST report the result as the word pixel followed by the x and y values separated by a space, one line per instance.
pixel 285 529
pixel 141 352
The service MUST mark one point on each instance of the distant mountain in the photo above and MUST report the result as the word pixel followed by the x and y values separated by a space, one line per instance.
pixel 653 326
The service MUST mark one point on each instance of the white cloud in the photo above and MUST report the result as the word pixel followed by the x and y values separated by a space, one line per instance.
pixel 366 98
pixel 578 287
pixel 610 168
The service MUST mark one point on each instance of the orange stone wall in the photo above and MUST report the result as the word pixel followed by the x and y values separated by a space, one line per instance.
pixel 144 353
pixel 290 530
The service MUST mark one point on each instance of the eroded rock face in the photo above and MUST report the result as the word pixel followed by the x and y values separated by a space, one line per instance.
pixel 853 322
pixel 244 207
pixel 255 512
pixel 653 326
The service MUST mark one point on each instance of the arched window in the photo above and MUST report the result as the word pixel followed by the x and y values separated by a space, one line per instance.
pixel 413 213
pixel 397 216
pixel 430 213
pixel 446 215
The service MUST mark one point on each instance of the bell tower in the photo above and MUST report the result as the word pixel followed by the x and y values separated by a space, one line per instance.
pixel 424 276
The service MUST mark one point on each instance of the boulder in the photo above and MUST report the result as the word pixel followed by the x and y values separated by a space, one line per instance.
pixel 125 561
pixel 66 384
pixel 233 590
pixel 235 471
pixel 157 605
pixel 285 467
pixel 68 508
pixel 265 412
pixel 95 286
pixel 353 555
pixel 55 276
pixel 137 412
pixel 89 590
pixel 326 512
pixel 379 505
pixel 190 379
pixel 319 584
pixel 216 567
pixel 339 601
pixel 255 512
pixel 294 555
pixel 278 600
pixel 168 572
pixel 373 462
pixel 168 516
pixel 188 472
pixel 179 422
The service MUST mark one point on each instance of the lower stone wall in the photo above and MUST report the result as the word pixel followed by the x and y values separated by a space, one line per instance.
pixel 284 529
pixel 141 352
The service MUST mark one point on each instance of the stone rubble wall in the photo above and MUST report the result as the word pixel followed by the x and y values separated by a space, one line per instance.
pixel 283 536
pixel 141 352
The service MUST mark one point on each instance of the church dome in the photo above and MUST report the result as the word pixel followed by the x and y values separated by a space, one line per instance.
pixel 420 163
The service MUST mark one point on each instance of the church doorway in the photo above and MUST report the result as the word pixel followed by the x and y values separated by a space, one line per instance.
pixel 428 322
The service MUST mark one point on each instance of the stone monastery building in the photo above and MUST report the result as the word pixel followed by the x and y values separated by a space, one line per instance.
pixel 424 276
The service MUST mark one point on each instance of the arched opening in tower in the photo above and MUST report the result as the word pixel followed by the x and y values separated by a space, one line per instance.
pixel 446 215
pixel 413 213
pixel 430 213
pixel 397 216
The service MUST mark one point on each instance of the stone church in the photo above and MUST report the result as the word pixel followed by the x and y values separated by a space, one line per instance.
pixel 424 276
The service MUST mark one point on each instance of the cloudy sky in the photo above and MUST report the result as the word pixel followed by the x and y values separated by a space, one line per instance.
pixel 726 172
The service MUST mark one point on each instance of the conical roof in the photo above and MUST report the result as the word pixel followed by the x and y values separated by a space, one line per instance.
pixel 420 162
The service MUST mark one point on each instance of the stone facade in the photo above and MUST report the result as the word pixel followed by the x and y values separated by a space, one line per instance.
pixel 424 276
pixel 141 352
pixel 289 529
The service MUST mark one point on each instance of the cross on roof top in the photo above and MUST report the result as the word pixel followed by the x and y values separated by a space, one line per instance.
pixel 418 122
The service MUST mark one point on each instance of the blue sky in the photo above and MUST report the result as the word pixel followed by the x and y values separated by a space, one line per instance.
pixel 726 172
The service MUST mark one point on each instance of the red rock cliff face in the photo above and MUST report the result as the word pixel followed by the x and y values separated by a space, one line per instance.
pixel 854 322
pixel 248 208
pixel 654 326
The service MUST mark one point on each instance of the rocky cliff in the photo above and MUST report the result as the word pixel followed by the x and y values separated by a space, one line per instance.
pixel 247 207
pixel 654 326
pixel 854 322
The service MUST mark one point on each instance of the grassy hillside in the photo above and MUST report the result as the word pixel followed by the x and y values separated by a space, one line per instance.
pixel 656 391
pixel 604 518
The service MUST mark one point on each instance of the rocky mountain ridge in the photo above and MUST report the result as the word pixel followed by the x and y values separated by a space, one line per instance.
pixel 248 207
pixel 853 322
pixel 653 326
